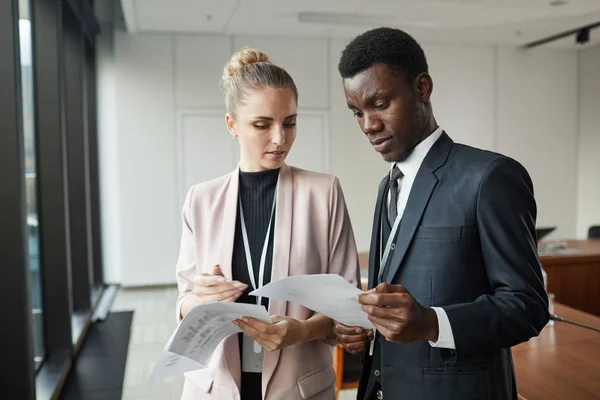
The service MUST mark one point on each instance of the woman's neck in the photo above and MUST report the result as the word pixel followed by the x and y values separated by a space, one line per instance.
pixel 252 167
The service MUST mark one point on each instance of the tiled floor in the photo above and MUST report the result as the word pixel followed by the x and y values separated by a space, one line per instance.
pixel 153 323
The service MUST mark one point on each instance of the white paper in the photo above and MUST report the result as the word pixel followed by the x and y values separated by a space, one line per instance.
pixel 328 294
pixel 194 341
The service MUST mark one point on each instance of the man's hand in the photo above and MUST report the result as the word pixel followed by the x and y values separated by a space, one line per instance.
pixel 283 332
pixel 397 315
pixel 354 338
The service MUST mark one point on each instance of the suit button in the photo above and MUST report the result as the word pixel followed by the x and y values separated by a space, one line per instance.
pixel 376 372
pixel 380 394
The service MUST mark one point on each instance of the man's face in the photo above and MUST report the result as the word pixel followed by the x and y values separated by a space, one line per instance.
pixel 390 110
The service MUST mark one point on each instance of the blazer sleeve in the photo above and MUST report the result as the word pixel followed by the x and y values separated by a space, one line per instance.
pixel 186 263
pixel 518 307
pixel 343 257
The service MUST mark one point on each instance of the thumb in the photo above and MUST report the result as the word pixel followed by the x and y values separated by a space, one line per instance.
pixel 216 270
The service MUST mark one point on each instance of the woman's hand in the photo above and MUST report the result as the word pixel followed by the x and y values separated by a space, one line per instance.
pixel 212 287
pixel 283 332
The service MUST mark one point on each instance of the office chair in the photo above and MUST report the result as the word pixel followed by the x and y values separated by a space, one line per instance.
pixel 594 232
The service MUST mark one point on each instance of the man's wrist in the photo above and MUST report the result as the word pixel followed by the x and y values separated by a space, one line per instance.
pixel 432 331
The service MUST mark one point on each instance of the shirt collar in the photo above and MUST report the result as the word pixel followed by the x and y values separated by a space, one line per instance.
pixel 411 165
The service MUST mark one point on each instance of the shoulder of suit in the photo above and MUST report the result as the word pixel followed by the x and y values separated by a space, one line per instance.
pixel 481 159
pixel 210 188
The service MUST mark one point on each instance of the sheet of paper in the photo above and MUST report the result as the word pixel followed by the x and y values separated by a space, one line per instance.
pixel 194 341
pixel 328 294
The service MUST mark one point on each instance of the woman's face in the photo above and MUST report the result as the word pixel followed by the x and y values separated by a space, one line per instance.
pixel 265 125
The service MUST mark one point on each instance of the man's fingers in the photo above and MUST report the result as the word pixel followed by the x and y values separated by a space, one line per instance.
pixel 347 330
pixel 387 288
pixel 395 300
pixel 397 313
pixel 387 326
pixel 347 339
pixel 355 348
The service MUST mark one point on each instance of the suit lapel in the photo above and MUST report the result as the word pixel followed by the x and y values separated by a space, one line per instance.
pixel 374 254
pixel 281 257
pixel 421 191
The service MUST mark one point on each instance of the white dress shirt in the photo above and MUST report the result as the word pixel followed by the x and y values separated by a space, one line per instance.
pixel 409 168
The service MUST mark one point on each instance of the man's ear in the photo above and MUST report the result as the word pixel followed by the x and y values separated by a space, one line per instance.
pixel 423 87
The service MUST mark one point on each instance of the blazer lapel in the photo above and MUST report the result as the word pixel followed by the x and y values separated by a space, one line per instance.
pixel 422 188
pixel 374 254
pixel 281 257
pixel 231 350
pixel 225 253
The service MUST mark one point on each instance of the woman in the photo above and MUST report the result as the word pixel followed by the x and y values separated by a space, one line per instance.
pixel 263 222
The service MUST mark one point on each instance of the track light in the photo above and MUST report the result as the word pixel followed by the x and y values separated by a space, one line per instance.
pixel 583 36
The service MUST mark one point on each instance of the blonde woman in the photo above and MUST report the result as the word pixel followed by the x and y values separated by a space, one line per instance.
pixel 262 222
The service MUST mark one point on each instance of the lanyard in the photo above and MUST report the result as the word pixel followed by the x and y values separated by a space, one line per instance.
pixel 263 257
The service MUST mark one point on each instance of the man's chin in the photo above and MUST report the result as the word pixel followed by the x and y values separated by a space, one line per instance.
pixel 396 156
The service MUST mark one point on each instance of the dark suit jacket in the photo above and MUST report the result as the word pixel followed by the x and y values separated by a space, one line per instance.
pixel 466 243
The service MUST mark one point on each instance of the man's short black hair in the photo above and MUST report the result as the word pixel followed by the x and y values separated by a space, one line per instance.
pixel 393 47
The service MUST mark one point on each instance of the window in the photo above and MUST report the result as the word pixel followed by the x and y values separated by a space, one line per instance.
pixel 25 48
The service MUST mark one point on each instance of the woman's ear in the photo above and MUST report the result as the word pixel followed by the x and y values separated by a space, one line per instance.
pixel 230 125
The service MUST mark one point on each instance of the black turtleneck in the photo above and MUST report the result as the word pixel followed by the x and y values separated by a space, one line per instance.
pixel 257 191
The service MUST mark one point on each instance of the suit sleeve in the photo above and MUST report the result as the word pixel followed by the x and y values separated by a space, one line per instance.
pixel 517 308
pixel 343 257
pixel 186 263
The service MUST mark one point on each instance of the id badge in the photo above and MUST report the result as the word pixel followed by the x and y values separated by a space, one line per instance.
pixel 252 355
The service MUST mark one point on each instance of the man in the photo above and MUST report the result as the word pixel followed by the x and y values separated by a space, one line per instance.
pixel 454 276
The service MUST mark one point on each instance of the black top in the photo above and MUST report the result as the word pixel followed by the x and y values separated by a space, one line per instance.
pixel 257 191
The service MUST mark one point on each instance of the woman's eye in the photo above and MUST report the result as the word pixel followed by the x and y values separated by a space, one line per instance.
pixel 262 127
pixel 381 106
pixel 357 114
pixel 290 125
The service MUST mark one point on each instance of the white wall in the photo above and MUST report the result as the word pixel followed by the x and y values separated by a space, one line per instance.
pixel 537 125
pixel 588 210
pixel 492 98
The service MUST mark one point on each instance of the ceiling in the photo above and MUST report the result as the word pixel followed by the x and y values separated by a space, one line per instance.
pixel 510 22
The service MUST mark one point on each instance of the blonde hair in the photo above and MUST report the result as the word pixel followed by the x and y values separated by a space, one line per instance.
pixel 252 69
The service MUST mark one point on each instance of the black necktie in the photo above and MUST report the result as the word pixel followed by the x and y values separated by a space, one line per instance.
pixel 393 209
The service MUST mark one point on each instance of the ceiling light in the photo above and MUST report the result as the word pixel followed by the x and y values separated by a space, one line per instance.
pixel 357 19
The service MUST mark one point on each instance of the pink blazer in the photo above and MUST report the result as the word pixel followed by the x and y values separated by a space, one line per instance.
pixel 313 235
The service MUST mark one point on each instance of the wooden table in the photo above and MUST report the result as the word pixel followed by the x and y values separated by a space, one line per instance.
pixel 563 362
pixel 575 278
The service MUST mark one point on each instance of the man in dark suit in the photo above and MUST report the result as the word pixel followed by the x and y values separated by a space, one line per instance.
pixel 454 275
